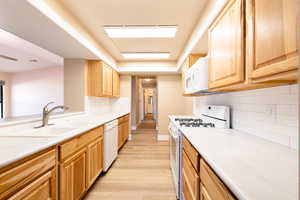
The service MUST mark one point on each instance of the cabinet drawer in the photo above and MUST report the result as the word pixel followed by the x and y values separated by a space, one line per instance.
pixel 191 153
pixel 192 178
pixel 70 147
pixel 44 188
pixel 214 186
pixel 16 178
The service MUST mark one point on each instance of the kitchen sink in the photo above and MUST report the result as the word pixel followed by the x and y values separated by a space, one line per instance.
pixel 49 131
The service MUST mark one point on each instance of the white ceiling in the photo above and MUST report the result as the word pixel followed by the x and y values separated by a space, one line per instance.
pixel 24 51
pixel 22 19
pixel 95 14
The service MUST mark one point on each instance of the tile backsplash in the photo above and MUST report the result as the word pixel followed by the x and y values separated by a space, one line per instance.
pixel 99 105
pixel 269 113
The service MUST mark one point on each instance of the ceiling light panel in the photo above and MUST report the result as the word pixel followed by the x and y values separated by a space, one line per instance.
pixel 141 31
pixel 146 55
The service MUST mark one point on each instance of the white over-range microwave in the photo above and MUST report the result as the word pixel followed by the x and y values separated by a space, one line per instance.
pixel 196 78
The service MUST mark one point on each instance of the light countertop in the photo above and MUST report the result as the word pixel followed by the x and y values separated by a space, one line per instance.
pixel 251 167
pixel 14 148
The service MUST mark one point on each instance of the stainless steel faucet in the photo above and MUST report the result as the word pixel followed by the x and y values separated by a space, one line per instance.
pixel 47 112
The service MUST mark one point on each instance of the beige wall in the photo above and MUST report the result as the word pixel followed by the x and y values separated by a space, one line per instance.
pixel 125 86
pixel 135 101
pixel 171 101
pixel 74 84
pixel 45 85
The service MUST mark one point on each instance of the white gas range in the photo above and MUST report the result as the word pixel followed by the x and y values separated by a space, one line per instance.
pixel 210 117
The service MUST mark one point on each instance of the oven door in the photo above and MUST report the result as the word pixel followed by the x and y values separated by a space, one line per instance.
pixel 175 158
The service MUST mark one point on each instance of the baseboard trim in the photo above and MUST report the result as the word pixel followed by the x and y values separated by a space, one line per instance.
pixel 162 137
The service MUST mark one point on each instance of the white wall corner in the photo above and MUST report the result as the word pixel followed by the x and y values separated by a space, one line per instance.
pixel 162 137
pixel 130 137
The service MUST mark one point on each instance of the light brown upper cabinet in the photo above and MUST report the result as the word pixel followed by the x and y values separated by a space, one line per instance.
pixel 226 46
pixel 189 61
pixel 272 40
pixel 253 44
pixel 102 80
pixel 116 84
pixel 107 80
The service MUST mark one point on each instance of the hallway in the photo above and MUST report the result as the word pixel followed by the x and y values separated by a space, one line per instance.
pixel 147 124
pixel 141 172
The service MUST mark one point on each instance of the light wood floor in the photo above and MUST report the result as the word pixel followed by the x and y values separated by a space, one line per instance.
pixel 147 124
pixel 141 172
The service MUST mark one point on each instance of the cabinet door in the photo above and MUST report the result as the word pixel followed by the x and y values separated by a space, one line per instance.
pixel 204 194
pixel 44 188
pixel 95 160
pixel 72 177
pixel 107 80
pixel 214 186
pixel 274 37
pixel 185 187
pixel 125 131
pixel 226 46
pixel 116 84
pixel 120 135
pixel 191 178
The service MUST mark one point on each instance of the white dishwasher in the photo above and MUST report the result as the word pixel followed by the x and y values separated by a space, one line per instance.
pixel 110 150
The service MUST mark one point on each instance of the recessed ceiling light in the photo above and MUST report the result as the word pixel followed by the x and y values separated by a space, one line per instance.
pixel 141 31
pixel 147 79
pixel 146 55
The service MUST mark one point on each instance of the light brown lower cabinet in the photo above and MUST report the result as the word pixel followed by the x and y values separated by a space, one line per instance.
pixel 72 177
pixel 71 167
pixel 95 160
pixel 213 184
pixel 31 177
pixel 192 180
pixel 81 165
pixel 199 180
pixel 123 130
pixel 204 194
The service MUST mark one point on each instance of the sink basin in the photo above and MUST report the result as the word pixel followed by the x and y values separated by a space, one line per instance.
pixel 40 132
